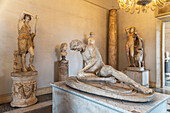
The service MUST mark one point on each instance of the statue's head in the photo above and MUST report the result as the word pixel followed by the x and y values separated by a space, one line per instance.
pixel 63 47
pixel 27 18
pixel 91 39
pixel 132 30
pixel 77 45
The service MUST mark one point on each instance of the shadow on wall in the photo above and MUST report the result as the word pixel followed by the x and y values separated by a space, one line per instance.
pixel 56 63
pixel 85 38
pixel 5 82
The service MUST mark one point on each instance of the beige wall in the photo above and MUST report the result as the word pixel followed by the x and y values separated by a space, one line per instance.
pixel 146 27
pixel 59 21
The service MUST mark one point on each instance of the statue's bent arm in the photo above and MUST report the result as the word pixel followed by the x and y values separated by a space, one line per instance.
pixel 92 61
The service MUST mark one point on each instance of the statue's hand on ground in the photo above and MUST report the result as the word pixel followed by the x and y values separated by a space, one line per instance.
pixel 146 90
pixel 80 73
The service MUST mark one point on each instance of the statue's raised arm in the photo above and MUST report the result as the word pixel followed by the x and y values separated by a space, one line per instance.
pixel 23 19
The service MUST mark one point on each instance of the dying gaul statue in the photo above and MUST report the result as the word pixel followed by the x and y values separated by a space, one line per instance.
pixel 103 80
pixel 95 67
pixel 96 71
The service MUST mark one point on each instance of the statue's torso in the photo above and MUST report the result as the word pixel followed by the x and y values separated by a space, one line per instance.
pixel 131 38
pixel 87 57
pixel 25 29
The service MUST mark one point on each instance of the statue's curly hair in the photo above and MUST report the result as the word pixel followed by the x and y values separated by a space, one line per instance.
pixel 62 46
pixel 27 16
pixel 74 44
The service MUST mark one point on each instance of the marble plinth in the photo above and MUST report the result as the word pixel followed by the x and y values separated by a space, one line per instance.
pixel 63 70
pixel 141 77
pixel 24 89
pixel 136 68
pixel 68 100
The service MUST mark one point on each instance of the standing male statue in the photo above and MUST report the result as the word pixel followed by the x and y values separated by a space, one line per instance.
pixel 25 39
pixel 130 45
pixel 95 69
pixel 24 79
pixel 134 48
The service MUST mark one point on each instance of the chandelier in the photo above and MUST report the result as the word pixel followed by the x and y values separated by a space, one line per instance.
pixel 141 5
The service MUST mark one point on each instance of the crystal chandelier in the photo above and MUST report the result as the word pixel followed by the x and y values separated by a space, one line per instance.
pixel 141 5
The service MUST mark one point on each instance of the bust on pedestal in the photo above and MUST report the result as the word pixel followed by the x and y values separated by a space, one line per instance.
pixel 24 79
pixel 63 63
pixel 134 49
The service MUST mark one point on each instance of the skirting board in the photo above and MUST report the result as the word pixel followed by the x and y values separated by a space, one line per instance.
pixel 41 91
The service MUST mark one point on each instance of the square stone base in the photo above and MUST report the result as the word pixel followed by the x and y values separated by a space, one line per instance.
pixel 68 100
pixel 141 77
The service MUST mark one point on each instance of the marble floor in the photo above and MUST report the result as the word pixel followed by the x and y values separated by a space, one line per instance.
pixel 44 105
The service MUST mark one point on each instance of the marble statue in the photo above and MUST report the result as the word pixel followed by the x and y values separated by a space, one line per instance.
pixel 63 51
pixel 139 52
pixel 134 48
pixel 135 54
pixel 26 40
pixel 24 79
pixel 96 71
pixel 91 39
pixel 130 45
pixel 63 63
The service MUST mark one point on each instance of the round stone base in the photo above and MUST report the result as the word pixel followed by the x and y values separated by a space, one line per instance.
pixel 24 89
pixel 24 103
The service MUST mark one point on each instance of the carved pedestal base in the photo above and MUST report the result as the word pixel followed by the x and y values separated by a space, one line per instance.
pixel 24 89
pixel 63 70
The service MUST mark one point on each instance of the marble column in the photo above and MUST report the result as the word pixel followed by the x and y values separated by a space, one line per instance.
pixel 112 40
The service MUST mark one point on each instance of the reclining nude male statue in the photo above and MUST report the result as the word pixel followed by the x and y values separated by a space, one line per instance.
pixel 96 71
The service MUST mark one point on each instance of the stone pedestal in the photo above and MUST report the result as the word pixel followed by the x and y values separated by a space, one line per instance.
pixel 24 89
pixel 63 70
pixel 141 77
pixel 68 100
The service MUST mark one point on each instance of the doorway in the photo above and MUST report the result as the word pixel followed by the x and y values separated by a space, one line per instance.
pixel 166 54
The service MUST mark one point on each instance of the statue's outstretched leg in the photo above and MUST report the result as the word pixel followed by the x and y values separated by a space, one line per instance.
pixel 106 70
pixel 31 51
pixel 91 77
pixel 24 69
pixel 127 52
pixel 132 54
